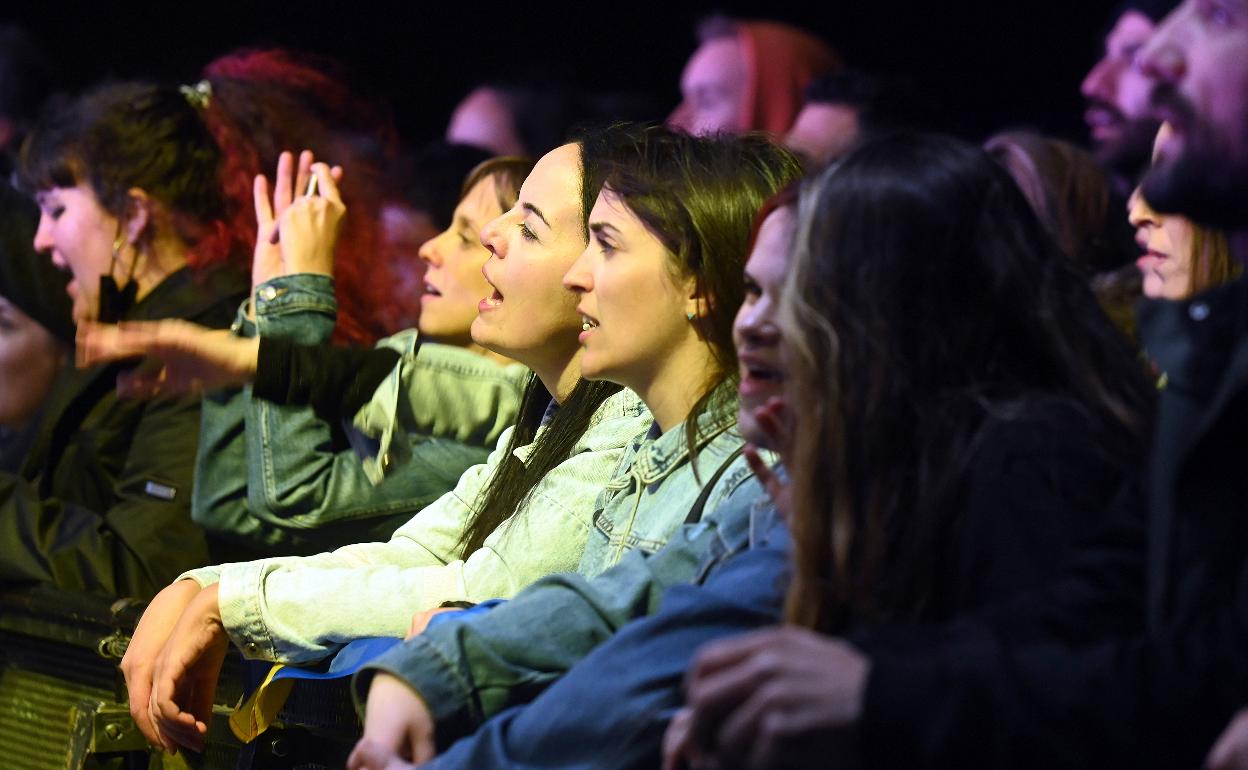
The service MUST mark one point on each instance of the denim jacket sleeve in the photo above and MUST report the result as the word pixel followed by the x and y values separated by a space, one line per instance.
pixel 298 610
pixel 300 308
pixel 435 390
pixel 467 671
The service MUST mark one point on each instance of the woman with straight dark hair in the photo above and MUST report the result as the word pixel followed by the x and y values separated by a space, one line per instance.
pixel 524 513
pixel 968 413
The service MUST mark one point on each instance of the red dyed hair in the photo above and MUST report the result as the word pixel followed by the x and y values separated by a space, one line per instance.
pixel 269 100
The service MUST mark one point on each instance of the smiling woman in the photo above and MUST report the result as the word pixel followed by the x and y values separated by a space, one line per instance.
pixel 126 177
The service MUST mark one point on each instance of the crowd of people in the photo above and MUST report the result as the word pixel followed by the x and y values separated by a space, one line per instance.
pixel 782 433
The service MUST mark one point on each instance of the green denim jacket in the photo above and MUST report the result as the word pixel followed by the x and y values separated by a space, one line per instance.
pixel 269 477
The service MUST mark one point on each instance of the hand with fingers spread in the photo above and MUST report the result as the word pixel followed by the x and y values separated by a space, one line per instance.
pixel 184 357
pixel 139 663
pixel 297 230
pixel 397 727
pixel 780 697
pixel 186 671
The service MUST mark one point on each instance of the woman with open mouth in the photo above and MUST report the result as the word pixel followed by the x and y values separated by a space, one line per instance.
pixel 527 512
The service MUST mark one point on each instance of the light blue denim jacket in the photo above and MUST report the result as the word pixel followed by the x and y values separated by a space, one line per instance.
pixel 654 488
pixel 302 495
pixel 300 609
pixel 470 669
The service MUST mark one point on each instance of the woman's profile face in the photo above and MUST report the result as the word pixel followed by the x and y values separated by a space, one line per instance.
pixel 454 284
pixel 1168 242
pixel 30 357
pixel 526 313
pixel 755 331
pixel 78 234
pixel 632 300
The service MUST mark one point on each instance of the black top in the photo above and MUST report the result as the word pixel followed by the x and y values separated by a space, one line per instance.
pixel 102 503
pixel 1138 657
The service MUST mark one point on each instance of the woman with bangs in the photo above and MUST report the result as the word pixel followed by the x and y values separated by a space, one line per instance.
pixel 127 180
pixel 530 509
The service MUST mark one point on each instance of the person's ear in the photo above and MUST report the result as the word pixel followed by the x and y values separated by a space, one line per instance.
pixel 696 306
pixel 138 216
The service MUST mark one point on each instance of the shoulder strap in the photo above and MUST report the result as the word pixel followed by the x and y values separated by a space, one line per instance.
pixel 695 513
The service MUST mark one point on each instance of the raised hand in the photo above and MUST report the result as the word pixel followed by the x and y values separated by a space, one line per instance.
pixel 398 728
pixel 297 231
pixel 184 357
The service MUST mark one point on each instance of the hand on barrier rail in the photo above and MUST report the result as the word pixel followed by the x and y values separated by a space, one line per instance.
pixel 139 663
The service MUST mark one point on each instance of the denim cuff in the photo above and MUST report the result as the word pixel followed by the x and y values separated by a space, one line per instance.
pixel 424 667
pixel 299 307
pixel 238 599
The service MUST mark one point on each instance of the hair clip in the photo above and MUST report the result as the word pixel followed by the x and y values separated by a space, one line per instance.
pixel 198 95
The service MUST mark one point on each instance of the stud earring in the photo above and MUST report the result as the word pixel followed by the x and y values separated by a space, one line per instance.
pixel 691 316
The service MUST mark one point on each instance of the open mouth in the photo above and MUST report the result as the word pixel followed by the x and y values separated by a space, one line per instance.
pixel 432 291
pixel 587 323
pixel 494 300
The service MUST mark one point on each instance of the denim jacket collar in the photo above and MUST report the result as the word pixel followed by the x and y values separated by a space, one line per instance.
pixel 656 454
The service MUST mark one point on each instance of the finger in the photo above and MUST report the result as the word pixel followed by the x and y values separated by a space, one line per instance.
pixel 325 180
pixel 772 419
pixel 139 384
pixel 139 690
pixel 264 206
pixel 421 749
pixel 336 172
pixel 741 734
pixel 306 160
pixel 282 191
pixel 724 653
pixel 676 740
pixel 762 471
pixel 165 743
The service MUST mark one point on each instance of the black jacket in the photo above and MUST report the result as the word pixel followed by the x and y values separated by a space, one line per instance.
pixel 1139 656
pixel 102 503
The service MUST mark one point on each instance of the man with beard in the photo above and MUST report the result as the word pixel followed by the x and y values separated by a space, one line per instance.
pixel 1139 657
pixel 1118 118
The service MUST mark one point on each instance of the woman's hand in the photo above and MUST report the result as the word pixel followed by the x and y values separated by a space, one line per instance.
pixel 398 727
pixel 775 422
pixel 139 663
pixel 296 232
pixel 779 697
pixel 420 621
pixel 186 672
pixel 186 357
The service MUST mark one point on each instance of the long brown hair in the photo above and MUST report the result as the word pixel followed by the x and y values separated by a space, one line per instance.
pixel 924 298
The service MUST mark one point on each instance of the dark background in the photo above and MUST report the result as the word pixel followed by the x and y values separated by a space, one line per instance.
pixel 989 64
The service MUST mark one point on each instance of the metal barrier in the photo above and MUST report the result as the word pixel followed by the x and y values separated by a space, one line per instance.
pixel 63 700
